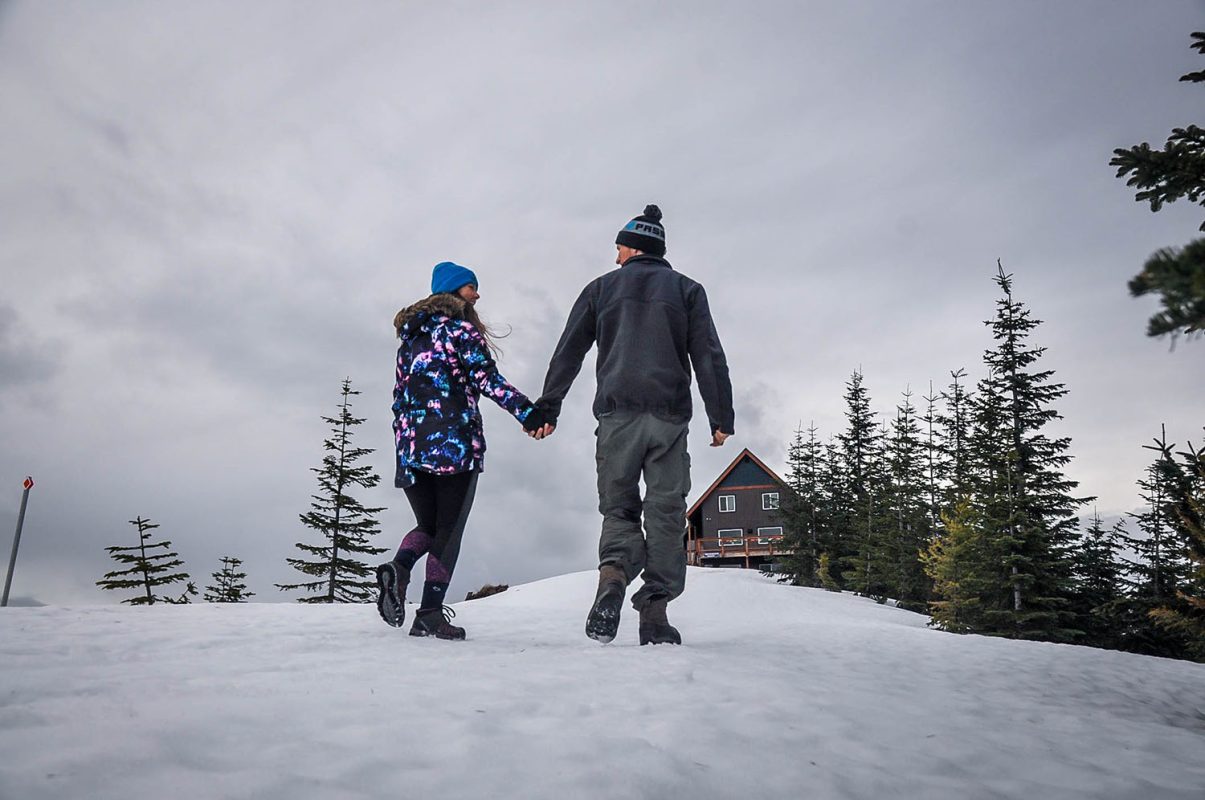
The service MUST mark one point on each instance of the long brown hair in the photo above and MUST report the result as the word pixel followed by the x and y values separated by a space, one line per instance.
pixel 490 335
pixel 456 307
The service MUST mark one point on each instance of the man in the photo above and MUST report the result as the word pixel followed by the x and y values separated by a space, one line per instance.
pixel 647 320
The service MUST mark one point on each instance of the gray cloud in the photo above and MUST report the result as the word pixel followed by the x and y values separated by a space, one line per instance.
pixel 212 211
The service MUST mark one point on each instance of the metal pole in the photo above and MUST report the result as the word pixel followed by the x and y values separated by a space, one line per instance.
pixel 12 559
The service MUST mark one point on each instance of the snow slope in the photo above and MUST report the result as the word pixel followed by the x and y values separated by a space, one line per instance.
pixel 778 692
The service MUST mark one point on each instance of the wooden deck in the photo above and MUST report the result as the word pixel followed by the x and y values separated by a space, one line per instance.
pixel 699 552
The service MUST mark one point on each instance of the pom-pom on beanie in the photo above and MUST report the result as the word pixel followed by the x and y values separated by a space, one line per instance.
pixel 644 233
pixel 449 277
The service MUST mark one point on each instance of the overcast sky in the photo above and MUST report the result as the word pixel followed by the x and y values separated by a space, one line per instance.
pixel 209 213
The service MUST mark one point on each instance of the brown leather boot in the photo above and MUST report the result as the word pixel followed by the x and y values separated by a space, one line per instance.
pixel 603 621
pixel 654 624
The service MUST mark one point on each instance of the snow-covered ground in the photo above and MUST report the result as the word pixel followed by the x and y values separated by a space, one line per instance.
pixel 778 692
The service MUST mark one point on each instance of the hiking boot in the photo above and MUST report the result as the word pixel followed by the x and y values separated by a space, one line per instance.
pixel 436 622
pixel 654 625
pixel 392 581
pixel 603 621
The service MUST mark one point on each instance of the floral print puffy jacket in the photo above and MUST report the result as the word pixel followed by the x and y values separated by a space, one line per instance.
pixel 443 367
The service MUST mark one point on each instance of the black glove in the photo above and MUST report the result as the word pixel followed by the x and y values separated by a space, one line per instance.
pixel 534 420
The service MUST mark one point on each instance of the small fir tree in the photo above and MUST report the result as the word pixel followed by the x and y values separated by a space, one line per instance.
pixel 954 440
pixel 801 510
pixel 345 524
pixel 1099 582
pixel 908 530
pixel 1184 613
pixel 862 454
pixel 836 535
pixel 935 464
pixel 1158 569
pixel 150 565
pixel 824 574
pixel 229 584
pixel 962 564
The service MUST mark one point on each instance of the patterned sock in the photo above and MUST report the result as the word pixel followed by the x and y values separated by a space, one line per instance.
pixel 436 571
pixel 433 595
pixel 413 547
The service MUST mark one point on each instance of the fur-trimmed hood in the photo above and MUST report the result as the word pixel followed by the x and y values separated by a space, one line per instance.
pixel 439 305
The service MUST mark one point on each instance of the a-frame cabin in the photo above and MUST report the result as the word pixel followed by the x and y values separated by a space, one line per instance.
pixel 735 522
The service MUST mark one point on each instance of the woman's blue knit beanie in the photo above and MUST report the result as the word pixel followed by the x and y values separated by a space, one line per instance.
pixel 449 277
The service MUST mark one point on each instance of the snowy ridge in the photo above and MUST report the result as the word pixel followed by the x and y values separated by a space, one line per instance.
pixel 778 692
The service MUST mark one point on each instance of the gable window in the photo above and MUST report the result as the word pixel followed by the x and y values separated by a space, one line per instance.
pixel 769 501
pixel 727 503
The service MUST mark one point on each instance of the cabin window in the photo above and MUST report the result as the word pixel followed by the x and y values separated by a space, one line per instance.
pixel 727 503
pixel 769 501
pixel 769 535
pixel 730 537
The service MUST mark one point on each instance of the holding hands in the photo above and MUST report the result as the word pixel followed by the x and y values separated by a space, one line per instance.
pixel 536 424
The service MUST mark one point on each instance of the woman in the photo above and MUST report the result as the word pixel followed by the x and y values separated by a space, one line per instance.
pixel 445 362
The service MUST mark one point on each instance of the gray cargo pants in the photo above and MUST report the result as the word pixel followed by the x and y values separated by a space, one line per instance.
pixel 630 445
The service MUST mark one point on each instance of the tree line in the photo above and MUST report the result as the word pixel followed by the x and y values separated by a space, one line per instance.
pixel 334 568
pixel 960 506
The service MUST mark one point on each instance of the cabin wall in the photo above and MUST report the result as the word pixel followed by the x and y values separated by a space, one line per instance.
pixel 748 516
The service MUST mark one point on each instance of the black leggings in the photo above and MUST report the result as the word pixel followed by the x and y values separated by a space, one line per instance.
pixel 441 506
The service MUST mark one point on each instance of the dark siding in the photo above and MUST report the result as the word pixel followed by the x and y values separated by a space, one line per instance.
pixel 747 473
pixel 748 515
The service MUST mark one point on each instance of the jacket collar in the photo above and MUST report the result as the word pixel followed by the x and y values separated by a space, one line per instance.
pixel 655 261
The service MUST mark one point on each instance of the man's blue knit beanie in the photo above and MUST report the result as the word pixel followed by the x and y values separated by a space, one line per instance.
pixel 449 277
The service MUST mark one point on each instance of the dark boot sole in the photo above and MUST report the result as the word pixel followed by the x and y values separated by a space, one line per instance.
pixel 390 604
pixel 603 621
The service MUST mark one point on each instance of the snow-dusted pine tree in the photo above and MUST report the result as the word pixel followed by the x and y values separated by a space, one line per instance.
pixel 151 565
pixel 346 524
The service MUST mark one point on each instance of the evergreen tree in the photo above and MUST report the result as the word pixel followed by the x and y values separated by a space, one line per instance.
pixel 151 565
pixel 862 454
pixel 1099 576
pixel 1156 572
pixel 824 574
pixel 1178 277
pixel 836 535
pixel 346 524
pixel 935 464
pixel 800 510
pixel 229 584
pixel 1164 176
pixel 1184 613
pixel 1019 484
pixel 908 509
pixel 962 564
pixel 954 426
pixel 1162 566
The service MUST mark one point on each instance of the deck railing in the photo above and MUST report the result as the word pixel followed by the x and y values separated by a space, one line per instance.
pixel 705 548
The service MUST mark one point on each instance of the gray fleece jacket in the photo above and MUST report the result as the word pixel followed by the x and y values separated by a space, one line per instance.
pixel 651 324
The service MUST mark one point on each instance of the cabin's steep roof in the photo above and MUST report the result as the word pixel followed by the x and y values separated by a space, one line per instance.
pixel 749 466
